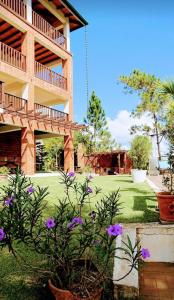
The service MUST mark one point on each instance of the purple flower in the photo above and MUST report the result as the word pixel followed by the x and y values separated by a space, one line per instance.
pixel 115 230
pixel 92 214
pixel 71 225
pixel 2 234
pixel 71 174
pixel 50 223
pixel 145 253
pixel 89 190
pixel 9 200
pixel 30 189
pixel 77 220
pixel 90 177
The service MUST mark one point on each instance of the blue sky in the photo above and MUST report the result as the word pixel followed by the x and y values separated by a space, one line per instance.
pixel 122 35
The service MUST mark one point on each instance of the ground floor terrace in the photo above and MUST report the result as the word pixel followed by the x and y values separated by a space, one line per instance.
pixel 21 127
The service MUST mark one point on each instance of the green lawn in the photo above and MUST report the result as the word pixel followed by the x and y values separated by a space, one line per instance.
pixel 139 204
pixel 139 201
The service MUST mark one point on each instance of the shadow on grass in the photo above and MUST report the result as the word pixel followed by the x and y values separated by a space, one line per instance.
pixel 24 288
pixel 140 202
pixel 135 190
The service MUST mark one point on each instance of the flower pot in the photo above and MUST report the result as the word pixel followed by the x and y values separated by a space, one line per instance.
pixel 60 294
pixel 166 206
pixel 139 176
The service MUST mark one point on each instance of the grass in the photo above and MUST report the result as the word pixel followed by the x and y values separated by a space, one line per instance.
pixel 139 203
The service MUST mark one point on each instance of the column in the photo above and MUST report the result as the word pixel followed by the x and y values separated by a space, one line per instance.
pixel 28 50
pixel 80 156
pixel 68 153
pixel 28 151
pixel 67 73
pixel 29 10
pixel 66 33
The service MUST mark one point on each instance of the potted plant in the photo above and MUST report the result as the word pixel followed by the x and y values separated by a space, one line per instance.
pixel 166 198
pixel 77 246
pixel 4 172
pixel 140 153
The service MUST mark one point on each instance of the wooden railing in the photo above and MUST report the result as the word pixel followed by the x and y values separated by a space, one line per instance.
pixel 17 6
pixel 49 113
pixel 12 57
pixel 13 103
pixel 46 28
pixel 50 76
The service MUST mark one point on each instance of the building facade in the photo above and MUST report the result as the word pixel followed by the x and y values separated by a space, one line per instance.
pixel 34 39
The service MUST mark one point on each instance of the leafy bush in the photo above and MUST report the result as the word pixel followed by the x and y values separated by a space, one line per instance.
pixel 4 170
pixel 140 151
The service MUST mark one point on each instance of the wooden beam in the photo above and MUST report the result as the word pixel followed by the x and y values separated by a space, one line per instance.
pixel 12 38
pixel 52 9
pixel 10 35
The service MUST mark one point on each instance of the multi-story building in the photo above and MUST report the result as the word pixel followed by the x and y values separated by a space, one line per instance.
pixel 34 39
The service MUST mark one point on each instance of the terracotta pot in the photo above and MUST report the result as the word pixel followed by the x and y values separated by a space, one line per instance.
pixel 166 206
pixel 67 295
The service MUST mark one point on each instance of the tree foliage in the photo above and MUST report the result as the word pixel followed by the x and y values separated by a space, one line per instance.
pixel 98 135
pixel 140 151
pixel 53 148
pixel 152 102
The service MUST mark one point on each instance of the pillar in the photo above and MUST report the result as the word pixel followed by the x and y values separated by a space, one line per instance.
pixel 29 10
pixel 67 73
pixel 28 49
pixel 80 156
pixel 66 33
pixel 28 151
pixel 68 153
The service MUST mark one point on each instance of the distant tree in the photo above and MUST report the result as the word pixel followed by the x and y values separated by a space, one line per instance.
pixel 53 149
pixel 97 133
pixel 152 102
pixel 168 90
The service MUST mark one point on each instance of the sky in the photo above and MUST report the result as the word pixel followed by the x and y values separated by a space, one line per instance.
pixel 122 35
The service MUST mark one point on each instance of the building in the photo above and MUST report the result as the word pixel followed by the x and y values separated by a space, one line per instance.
pixel 34 39
pixel 105 163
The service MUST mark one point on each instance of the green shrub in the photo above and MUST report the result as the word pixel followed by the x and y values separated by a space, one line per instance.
pixel 4 170
pixel 141 148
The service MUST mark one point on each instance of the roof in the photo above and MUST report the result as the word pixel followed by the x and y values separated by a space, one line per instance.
pixel 75 12
pixel 76 20
pixel 108 153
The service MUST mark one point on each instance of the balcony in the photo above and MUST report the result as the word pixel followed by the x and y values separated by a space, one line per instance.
pixel 11 103
pixel 12 57
pixel 49 113
pixel 16 105
pixel 20 8
pixel 54 34
pixel 44 73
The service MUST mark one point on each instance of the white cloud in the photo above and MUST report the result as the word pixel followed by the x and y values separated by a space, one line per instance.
pixel 120 128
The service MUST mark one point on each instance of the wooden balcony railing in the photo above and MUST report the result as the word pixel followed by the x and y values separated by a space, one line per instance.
pixel 46 28
pixel 16 104
pixel 17 6
pixel 12 57
pixel 49 113
pixel 50 76
pixel 13 103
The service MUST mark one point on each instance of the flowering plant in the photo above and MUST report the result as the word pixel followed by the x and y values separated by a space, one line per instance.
pixel 78 243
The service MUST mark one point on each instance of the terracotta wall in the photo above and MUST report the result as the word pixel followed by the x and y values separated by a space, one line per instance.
pixel 10 149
